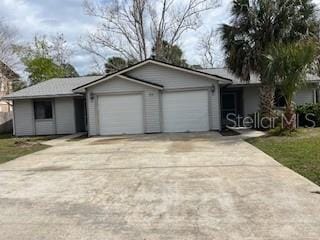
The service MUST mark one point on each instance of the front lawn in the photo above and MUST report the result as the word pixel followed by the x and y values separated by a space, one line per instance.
pixel 12 148
pixel 300 152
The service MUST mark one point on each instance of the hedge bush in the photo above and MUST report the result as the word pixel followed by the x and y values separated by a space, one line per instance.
pixel 308 113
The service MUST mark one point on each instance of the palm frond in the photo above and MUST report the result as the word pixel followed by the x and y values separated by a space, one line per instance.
pixel 288 64
pixel 258 24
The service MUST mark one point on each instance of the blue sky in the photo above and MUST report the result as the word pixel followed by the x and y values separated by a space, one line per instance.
pixel 48 17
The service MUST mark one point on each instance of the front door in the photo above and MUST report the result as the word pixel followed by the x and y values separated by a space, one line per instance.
pixel 231 105
pixel 81 111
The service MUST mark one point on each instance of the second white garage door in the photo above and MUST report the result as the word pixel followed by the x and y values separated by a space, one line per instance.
pixel 121 114
pixel 186 111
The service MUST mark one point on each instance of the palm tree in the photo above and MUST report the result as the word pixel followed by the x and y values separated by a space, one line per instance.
pixel 258 24
pixel 287 66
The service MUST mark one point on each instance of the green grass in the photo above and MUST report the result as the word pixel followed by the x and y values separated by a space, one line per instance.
pixel 299 152
pixel 12 148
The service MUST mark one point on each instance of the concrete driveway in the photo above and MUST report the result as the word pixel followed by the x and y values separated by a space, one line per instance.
pixel 180 186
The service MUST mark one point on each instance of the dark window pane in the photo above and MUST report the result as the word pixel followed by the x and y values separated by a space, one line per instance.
pixel 279 100
pixel 43 110
pixel 228 101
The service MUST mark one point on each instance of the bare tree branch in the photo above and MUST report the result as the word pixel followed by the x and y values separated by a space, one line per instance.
pixel 7 46
pixel 9 59
pixel 122 28
pixel 209 50
pixel 130 28
pixel 60 49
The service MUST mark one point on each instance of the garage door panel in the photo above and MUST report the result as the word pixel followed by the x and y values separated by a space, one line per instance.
pixel 121 114
pixel 186 111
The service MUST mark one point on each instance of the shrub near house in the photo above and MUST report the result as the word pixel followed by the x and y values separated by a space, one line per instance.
pixel 309 115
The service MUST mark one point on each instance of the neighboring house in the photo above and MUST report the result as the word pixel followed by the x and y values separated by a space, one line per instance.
pixel 148 97
pixel 7 76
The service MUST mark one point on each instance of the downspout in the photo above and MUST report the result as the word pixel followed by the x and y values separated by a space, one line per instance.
pixel 317 93
pixel 13 120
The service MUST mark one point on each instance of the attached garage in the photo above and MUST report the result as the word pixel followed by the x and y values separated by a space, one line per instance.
pixel 186 111
pixel 120 114
pixel 153 97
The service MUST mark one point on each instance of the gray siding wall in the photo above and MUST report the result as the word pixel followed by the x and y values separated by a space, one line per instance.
pixel 63 121
pixel 251 100
pixel 215 113
pixel 121 86
pixel 45 127
pixel 26 125
pixel 304 96
pixel 23 118
pixel 65 116
pixel 169 78
pixel 152 114
pixel 91 113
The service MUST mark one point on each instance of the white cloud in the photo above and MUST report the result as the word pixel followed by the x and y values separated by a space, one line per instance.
pixel 48 17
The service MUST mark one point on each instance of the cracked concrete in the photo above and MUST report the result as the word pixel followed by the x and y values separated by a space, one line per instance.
pixel 167 186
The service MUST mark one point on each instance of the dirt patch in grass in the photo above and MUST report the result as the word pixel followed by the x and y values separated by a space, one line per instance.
pixel 25 143
pixel 12 148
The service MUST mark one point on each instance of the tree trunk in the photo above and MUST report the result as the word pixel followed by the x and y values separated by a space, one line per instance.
pixel 267 100
pixel 289 122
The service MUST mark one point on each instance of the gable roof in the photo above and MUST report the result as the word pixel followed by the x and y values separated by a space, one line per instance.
pixel 254 78
pixel 157 62
pixel 57 87
pixel 65 87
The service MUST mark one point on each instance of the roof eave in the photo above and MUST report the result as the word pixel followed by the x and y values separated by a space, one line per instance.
pixel 40 96
pixel 258 84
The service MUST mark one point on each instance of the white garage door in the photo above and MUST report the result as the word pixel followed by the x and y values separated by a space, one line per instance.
pixel 186 111
pixel 121 114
